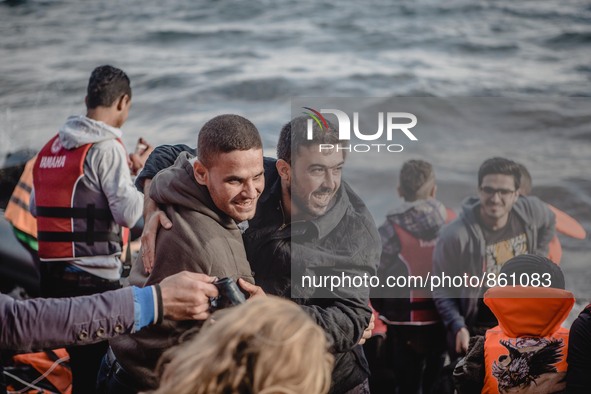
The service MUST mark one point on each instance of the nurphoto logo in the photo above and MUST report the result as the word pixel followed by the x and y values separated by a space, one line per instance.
pixel 394 121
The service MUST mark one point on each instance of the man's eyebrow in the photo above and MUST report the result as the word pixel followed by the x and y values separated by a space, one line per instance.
pixel 342 163
pixel 231 178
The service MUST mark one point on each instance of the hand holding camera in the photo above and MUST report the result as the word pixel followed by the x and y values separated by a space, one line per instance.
pixel 229 295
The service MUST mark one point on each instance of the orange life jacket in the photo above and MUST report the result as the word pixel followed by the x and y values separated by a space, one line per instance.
pixel 567 225
pixel 527 351
pixel 17 210
pixel 54 364
pixel 69 226
pixel 417 255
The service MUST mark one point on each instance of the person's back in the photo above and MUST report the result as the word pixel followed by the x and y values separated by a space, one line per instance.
pixel 83 194
pixel 527 351
pixel 415 339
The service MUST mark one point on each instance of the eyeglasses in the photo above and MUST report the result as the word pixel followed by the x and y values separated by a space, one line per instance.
pixel 490 191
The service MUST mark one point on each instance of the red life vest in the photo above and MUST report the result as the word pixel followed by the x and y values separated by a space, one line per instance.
pixel 417 255
pixel 72 221
pixel 527 351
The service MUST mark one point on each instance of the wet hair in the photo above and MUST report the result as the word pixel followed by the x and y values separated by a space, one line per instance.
pixel 525 185
pixel 267 345
pixel 530 264
pixel 416 180
pixel 224 134
pixel 500 165
pixel 105 86
pixel 294 135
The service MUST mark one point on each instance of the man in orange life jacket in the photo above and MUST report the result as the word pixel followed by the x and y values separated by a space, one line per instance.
pixel 415 339
pixel 83 194
pixel 527 351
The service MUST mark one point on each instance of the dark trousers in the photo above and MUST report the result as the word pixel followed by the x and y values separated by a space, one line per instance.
pixel 416 354
pixel 58 280
pixel 112 378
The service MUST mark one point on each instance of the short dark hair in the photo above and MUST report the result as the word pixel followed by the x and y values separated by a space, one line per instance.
pixel 226 133
pixel 294 135
pixel 415 175
pixel 526 184
pixel 530 264
pixel 105 86
pixel 500 165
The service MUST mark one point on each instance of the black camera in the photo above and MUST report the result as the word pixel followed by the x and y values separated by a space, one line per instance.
pixel 230 294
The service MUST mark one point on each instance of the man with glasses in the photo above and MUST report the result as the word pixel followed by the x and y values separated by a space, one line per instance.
pixel 492 228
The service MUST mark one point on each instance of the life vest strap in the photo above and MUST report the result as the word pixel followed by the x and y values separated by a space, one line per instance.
pixel 19 202
pixel 90 212
pixel 78 236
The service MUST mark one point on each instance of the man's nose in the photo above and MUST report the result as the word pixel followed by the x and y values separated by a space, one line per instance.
pixel 329 180
pixel 496 197
pixel 249 190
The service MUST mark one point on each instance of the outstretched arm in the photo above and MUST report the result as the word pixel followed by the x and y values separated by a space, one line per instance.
pixel 48 323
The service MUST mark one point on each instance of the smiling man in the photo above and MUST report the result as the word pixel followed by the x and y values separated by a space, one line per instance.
pixel 205 197
pixel 310 220
pixel 305 201
pixel 492 228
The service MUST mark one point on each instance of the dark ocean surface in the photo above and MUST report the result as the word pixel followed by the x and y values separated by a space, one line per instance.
pixel 191 60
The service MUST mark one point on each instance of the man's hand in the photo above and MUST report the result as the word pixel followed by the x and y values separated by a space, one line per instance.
pixel 253 290
pixel 367 333
pixel 185 296
pixel 139 157
pixel 157 218
pixel 462 341
pixel 153 219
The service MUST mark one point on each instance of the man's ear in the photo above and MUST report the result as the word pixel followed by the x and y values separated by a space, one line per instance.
pixel 200 173
pixel 86 101
pixel 284 170
pixel 433 191
pixel 399 191
pixel 122 102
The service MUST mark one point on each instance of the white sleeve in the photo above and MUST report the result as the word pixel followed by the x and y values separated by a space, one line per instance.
pixel 125 201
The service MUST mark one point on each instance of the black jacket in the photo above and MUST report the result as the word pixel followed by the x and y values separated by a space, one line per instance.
pixel 345 239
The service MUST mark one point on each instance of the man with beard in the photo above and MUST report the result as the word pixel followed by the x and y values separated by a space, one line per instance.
pixel 492 228
pixel 308 220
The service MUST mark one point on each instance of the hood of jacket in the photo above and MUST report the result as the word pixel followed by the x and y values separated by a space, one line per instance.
pixel 176 185
pixel 80 130
pixel 529 311
pixel 422 218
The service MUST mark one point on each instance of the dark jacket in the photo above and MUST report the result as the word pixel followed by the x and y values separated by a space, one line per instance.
pixel 202 239
pixel 461 250
pixel 345 237
pixel 578 379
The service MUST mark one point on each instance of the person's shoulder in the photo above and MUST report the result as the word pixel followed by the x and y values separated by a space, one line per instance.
pixel 531 207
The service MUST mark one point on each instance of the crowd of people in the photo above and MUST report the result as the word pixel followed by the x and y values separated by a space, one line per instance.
pixel 222 210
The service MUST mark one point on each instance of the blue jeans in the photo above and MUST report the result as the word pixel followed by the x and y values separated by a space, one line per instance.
pixel 112 378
